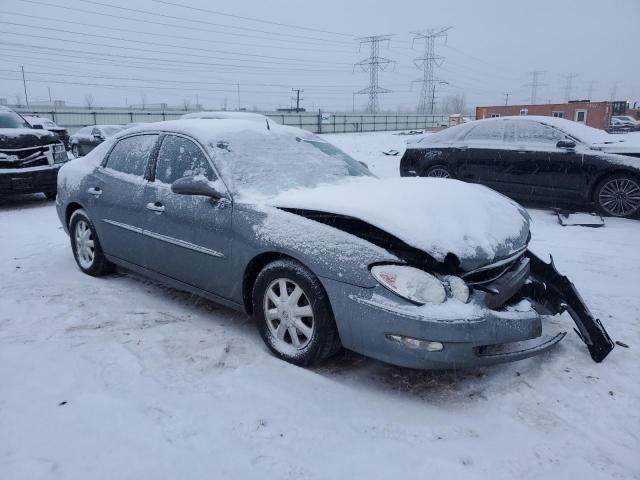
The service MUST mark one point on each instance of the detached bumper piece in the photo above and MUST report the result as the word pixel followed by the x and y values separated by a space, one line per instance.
pixel 553 293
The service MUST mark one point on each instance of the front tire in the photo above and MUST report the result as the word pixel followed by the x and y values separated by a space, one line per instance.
pixel 618 195
pixel 438 171
pixel 86 246
pixel 293 314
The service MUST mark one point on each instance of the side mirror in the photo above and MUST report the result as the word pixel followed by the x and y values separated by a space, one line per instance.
pixel 566 144
pixel 37 127
pixel 197 185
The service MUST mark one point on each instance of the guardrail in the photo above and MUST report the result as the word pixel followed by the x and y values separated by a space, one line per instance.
pixel 74 118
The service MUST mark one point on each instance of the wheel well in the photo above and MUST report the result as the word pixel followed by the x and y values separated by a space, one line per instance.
pixel 251 273
pixel 598 180
pixel 72 207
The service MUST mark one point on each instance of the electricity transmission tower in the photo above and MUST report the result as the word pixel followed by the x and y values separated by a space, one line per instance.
pixel 373 65
pixel 428 61
pixel 506 97
pixel 535 83
pixel 297 98
pixel 569 85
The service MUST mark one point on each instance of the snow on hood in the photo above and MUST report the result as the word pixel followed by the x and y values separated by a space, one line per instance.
pixel 435 215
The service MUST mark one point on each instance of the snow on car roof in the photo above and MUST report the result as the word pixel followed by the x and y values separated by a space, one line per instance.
pixel 256 117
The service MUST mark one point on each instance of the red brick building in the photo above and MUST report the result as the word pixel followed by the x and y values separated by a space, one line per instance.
pixel 593 114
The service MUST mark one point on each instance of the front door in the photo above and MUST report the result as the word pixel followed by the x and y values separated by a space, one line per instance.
pixel 116 196
pixel 190 234
pixel 478 151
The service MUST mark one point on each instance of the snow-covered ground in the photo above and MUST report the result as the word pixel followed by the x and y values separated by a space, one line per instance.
pixel 119 377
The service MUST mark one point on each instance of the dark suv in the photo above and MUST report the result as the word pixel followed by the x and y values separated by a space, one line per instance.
pixel 29 157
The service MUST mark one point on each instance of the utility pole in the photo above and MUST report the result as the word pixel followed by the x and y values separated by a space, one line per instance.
pixel 535 83
pixel 428 61
pixel 24 84
pixel 49 90
pixel 238 85
pixel 297 98
pixel 373 65
pixel 568 86
pixel 506 98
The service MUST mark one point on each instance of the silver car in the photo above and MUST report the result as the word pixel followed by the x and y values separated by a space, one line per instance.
pixel 280 224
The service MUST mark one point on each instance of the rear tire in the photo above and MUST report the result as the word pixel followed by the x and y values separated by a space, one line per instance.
pixel 618 195
pixel 86 246
pixel 293 314
pixel 438 171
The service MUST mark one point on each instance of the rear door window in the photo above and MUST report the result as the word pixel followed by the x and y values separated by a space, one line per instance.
pixel 131 155
pixel 180 157
pixel 537 134
pixel 485 133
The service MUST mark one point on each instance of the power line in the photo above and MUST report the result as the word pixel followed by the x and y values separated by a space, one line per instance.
pixel 155 34
pixel 252 19
pixel 428 61
pixel 373 65
pixel 206 22
pixel 290 61
pixel 138 20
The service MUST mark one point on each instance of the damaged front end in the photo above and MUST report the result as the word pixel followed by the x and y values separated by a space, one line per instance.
pixel 527 277
pixel 552 293
pixel 499 288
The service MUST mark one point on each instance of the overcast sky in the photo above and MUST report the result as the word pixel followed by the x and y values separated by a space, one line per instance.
pixel 152 51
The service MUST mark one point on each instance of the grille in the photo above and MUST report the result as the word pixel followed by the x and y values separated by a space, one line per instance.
pixel 24 157
pixel 491 273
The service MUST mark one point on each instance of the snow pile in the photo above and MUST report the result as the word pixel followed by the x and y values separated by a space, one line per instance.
pixel 435 215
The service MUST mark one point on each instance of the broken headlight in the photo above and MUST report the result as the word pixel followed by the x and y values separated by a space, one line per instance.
pixel 418 286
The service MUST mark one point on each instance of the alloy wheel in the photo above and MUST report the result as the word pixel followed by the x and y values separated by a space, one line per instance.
pixel 288 314
pixel 620 197
pixel 84 243
pixel 439 172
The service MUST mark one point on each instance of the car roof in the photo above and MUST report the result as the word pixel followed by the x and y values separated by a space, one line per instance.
pixel 224 115
pixel 204 130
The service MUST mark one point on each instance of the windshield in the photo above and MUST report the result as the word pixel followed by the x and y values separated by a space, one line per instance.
pixel 268 164
pixel 12 120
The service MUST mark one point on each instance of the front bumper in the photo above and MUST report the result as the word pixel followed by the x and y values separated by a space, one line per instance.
pixel 372 321
pixel 29 180
pixel 470 335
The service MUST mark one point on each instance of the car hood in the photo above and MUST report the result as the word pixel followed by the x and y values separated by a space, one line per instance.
pixel 623 143
pixel 440 217
pixel 12 138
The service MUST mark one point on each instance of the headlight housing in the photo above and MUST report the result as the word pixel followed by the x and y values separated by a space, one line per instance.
pixel 418 286
pixel 59 153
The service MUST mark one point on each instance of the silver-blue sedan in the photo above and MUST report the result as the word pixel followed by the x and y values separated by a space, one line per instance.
pixel 279 223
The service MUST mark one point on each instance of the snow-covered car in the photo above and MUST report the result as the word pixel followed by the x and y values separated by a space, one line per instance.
pixel 280 224
pixel 48 124
pixel 88 138
pixel 29 158
pixel 543 159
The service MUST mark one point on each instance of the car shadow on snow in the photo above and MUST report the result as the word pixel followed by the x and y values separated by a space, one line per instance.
pixel 350 368
pixel 433 386
pixel 15 202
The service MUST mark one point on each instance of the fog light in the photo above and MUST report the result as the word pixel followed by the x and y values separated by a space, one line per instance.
pixel 415 343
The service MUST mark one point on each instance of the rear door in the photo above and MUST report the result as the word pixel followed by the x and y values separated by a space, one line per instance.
pixel 190 235
pixel 117 198
pixel 478 150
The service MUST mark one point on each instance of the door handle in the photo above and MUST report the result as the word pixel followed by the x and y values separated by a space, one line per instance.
pixel 94 191
pixel 155 207
pixel 521 152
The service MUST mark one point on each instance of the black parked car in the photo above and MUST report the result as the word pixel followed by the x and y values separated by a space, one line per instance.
pixel 47 124
pixel 88 138
pixel 29 158
pixel 552 160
